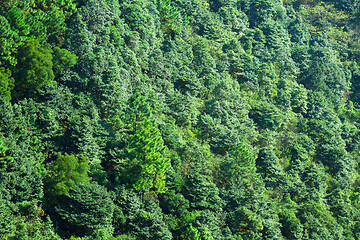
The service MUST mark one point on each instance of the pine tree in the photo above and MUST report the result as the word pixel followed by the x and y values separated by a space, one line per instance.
pixel 145 162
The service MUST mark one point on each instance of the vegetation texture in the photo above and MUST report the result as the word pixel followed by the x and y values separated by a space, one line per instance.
pixel 179 119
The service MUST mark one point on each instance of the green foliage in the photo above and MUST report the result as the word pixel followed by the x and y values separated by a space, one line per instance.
pixel 138 109
pixel 33 224
pixel 169 15
pixel 66 171
pixel 181 119
pixel 225 121
pixel 267 115
pixel 21 178
pixel 292 95
pixel 63 59
pixel 7 220
pixel 85 209
pixel 348 5
pixel 202 193
pixel 244 218
pixel 9 40
pixel 239 165
pixel 143 219
pixel 22 21
pixel 207 224
pixel 327 70
pixel 174 203
pixel 35 66
pixel 148 223
pixel 6 83
pixel 318 222
pixel 269 166
pixel 291 226
pixel 4 159
pixel 17 21
pixel 145 163
pixel 260 10
pixel 191 233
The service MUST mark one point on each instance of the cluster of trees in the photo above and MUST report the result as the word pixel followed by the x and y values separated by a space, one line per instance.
pixel 179 119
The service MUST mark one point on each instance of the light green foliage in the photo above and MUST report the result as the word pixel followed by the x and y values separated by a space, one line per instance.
pixel 63 59
pixel 66 171
pixel 34 68
pixel 191 233
pixel 17 21
pixel 9 40
pixel 169 16
pixel 6 83
pixel 145 161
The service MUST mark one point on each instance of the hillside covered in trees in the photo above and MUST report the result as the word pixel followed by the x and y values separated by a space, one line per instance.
pixel 179 119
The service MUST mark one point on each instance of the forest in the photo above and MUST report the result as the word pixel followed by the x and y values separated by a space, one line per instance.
pixel 179 119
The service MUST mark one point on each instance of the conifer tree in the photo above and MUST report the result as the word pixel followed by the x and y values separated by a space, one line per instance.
pixel 145 162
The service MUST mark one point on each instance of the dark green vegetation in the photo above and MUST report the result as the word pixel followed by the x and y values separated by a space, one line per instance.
pixel 179 119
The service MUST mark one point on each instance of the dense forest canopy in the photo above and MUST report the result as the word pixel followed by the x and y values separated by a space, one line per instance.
pixel 179 119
